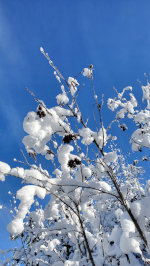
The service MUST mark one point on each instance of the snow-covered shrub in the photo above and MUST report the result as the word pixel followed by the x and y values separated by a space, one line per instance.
pixel 97 211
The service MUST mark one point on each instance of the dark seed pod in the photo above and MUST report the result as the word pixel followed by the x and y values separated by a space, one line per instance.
pixel 43 114
pixel 71 164
pixel 111 243
pixel 123 127
pixel 91 66
pixel 77 161
pixel 40 112
pixel 74 163
pixel 68 138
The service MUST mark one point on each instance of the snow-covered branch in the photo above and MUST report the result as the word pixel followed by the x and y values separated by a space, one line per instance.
pixel 97 211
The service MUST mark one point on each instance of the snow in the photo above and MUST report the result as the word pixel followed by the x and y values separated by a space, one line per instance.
pixel 88 211
pixel 62 88
pixel 146 94
pixel 4 170
pixel 58 263
pixel 57 172
pixel 118 213
pixel 16 227
pixel 101 167
pixel 40 130
pixel 57 77
pixel 128 244
pixel 71 263
pixel 104 186
pixel 26 196
pixel 41 49
pixel 86 135
pixel 91 239
pixel 143 117
pixel 132 261
pixel 140 138
pixel 73 83
pixel 100 137
pixel 87 72
pixel 64 156
pixel 53 244
pixel 62 99
pixel 112 104
pixel 86 172
pixel 82 192
pixel 52 210
pixel 37 217
pixel 136 208
pixel 127 225
pixel 18 171
pixel 127 107
pixel 115 235
pixel 110 157
pixel 34 173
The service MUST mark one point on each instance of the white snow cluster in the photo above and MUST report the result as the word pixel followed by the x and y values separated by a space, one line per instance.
pixel 26 196
pixel 101 137
pixel 73 85
pixel 41 49
pixel 4 170
pixel 104 186
pixel 64 156
pixel 146 94
pixel 141 136
pixel 87 135
pixel 34 175
pixel 128 243
pixel 110 157
pixel 62 99
pixel 103 163
pixel 86 172
pixel 52 210
pixel 87 72
pixel 113 104
pixel 126 106
pixel 40 130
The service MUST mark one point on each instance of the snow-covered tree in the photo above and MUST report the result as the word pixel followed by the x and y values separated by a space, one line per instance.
pixel 97 211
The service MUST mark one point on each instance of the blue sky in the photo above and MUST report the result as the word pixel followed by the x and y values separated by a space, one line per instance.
pixel 111 35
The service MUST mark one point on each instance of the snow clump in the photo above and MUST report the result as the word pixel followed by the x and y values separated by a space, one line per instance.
pixel 4 170
pixel 26 195
pixel 73 83
pixel 62 99
pixel 87 72
pixel 87 136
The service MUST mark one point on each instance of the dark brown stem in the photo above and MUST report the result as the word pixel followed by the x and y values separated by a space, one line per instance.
pixel 85 238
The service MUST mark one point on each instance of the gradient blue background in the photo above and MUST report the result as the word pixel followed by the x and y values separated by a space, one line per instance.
pixel 114 36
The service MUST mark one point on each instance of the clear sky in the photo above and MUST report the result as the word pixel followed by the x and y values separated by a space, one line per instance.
pixel 114 36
